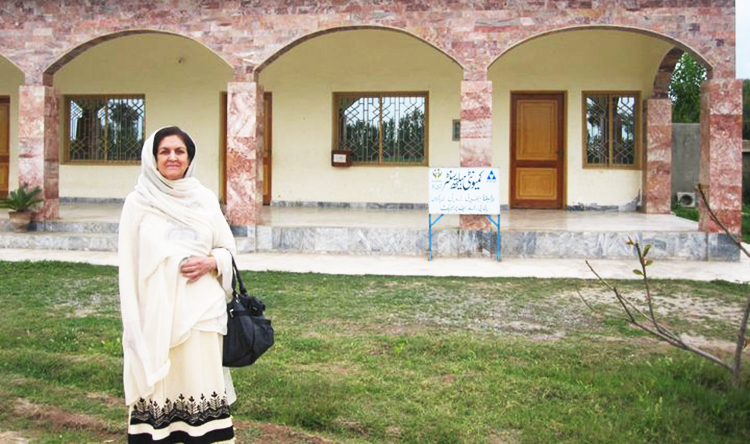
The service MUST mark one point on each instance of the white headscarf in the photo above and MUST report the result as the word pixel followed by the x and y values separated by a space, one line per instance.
pixel 176 198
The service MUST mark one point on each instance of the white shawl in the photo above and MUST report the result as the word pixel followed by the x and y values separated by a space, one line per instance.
pixel 164 221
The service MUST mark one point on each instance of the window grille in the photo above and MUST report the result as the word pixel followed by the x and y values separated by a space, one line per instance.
pixel 105 129
pixel 382 128
pixel 611 129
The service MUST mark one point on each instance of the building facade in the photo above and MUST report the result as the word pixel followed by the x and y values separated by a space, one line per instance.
pixel 567 97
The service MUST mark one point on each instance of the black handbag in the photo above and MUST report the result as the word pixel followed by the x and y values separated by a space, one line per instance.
pixel 249 333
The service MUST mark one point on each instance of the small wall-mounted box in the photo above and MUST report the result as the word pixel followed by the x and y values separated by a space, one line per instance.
pixel 341 158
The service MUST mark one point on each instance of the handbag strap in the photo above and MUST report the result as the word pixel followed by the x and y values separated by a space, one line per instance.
pixel 237 279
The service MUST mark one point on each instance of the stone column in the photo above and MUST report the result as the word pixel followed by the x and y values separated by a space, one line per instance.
pixel 244 152
pixel 721 153
pixel 476 136
pixel 657 157
pixel 38 145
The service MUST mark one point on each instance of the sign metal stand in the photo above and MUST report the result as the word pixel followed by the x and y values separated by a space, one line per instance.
pixel 430 231
pixel 497 244
pixel 495 223
pixel 464 191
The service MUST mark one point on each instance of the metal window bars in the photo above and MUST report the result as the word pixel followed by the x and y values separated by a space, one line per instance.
pixel 105 129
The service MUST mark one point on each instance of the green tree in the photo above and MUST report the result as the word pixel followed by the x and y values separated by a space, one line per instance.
pixel 746 110
pixel 685 90
pixel 123 135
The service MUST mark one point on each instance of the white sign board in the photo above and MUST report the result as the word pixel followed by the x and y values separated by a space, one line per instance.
pixel 464 191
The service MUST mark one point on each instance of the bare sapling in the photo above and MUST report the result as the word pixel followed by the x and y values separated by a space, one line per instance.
pixel 648 321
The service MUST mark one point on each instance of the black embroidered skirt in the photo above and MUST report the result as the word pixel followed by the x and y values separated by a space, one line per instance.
pixel 190 405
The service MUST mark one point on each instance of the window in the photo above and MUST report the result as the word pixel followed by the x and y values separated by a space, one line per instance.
pixel 382 128
pixel 104 129
pixel 611 134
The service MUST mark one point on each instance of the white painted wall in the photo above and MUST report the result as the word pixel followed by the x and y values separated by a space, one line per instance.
pixel 10 79
pixel 303 81
pixel 576 61
pixel 182 81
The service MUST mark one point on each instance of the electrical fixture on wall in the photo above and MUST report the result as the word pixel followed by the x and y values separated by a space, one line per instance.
pixel 341 158
pixel 686 199
pixel 456 130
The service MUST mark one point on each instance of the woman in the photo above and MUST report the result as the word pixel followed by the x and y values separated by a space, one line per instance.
pixel 175 253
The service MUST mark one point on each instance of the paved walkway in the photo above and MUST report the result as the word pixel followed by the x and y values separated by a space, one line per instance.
pixel 415 266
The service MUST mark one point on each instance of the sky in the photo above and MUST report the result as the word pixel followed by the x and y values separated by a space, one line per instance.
pixel 742 34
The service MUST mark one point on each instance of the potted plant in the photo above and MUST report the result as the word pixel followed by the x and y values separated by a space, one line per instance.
pixel 20 202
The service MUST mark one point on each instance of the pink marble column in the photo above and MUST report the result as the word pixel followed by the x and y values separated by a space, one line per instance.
pixel 657 157
pixel 476 136
pixel 38 145
pixel 244 152
pixel 721 153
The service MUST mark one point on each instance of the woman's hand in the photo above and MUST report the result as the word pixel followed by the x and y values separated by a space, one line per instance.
pixel 196 266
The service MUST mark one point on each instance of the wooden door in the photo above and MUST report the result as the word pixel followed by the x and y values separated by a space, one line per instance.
pixel 537 150
pixel 4 146
pixel 267 146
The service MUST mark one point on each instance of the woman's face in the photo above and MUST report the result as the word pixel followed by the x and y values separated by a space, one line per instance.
pixel 172 158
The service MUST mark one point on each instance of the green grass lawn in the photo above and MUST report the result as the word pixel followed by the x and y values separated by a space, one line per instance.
pixel 692 214
pixel 391 359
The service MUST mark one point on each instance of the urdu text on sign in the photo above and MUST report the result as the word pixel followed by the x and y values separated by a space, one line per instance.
pixel 464 191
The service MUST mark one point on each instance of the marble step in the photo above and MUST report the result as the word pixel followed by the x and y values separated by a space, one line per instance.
pixel 93 236
pixel 72 241
pixel 682 245
pixel 57 226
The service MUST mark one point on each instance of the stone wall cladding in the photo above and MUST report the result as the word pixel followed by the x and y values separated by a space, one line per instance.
pixel 41 36
pixel 657 156
pixel 38 154
pixel 244 159
pixel 721 153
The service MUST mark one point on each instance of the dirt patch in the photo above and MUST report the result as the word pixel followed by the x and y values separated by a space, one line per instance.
pixel 505 437
pixel 351 425
pixel 446 379
pixel 60 419
pixel 12 438
pixel 679 305
pixel 330 368
pixel 247 432
pixel 710 309
pixel 89 307
pixel 542 337
pixel 107 399
pixel 712 345
pixel 676 311
pixel 523 326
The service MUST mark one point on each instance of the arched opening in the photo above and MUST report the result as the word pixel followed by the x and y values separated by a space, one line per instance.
pixel 645 32
pixel 686 134
pixel 664 73
pixel 82 48
pixel 322 32
pixel 11 77
pixel 355 90
pixel 604 75
pixel 117 89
